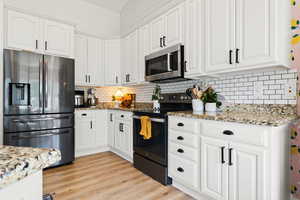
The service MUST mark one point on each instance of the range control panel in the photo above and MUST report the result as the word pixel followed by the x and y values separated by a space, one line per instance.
pixel 175 98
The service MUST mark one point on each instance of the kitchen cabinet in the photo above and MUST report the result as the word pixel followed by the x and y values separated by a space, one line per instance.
pixel 90 132
pixel 112 62
pixel 194 38
pixel 30 33
pixel 89 63
pixel 167 30
pixel 130 59
pixel 242 35
pixel 237 160
pixel 144 50
pixel 111 128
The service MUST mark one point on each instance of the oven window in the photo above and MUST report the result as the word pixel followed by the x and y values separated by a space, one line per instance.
pixel 174 61
pixel 156 147
pixel 157 65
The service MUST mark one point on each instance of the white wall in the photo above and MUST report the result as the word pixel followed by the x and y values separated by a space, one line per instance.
pixel 90 19
pixel 1 72
pixel 137 12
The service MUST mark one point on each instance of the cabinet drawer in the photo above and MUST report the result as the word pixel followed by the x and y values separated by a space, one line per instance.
pixel 183 138
pixel 123 115
pixel 249 134
pixel 184 171
pixel 184 124
pixel 184 151
pixel 84 114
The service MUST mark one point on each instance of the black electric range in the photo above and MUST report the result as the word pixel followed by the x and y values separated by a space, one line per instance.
pixel 151 156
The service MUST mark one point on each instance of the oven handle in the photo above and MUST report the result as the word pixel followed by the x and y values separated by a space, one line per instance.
pixel 152 119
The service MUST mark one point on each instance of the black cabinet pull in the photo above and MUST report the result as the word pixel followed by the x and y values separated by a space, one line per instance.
pixel 180 169
pixel 91 123
pixel 230 57
pixel 36 44
pixel 228 132
pixel 237 56
pixel 111 117
pixel 161 43
pixel 86 79
pixel 164 41
pixel 84 115
pixel 46 45
pixel 180 138
pixel 117 79
pixel 230 157
pixel 185 66
pixel 180 124
pixel 89 79
pixel 180 151
pixel 222 155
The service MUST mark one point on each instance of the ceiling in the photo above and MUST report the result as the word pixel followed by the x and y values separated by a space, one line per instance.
pixel 115 5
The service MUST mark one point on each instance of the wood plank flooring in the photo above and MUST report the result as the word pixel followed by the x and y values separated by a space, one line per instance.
pixel 105 176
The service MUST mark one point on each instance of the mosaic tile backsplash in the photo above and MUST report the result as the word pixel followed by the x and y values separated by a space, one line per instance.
pixel 273 87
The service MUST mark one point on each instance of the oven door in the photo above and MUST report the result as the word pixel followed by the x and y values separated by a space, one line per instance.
pixel 155 148
pixel 165 64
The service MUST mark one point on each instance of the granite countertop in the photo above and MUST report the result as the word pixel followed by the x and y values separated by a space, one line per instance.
pixel 111 106
pixel 17 163
pixel 265 115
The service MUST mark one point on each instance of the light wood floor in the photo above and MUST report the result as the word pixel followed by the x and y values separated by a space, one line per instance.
pixel 105 176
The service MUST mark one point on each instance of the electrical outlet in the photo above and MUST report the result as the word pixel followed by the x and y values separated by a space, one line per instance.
pixel 290 89
pixel 258 90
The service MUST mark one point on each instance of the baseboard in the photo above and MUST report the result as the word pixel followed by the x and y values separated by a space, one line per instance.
pixel 91 151
pixel 192 193
pixel 122 155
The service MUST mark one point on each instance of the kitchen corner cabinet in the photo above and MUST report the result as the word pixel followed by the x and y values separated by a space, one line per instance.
pixel 112 62
pixel 245 34
pixel 237 161
pixel 30 33
pixel 129 55
pixel 89 62
pixel 90 132
pixel 167 29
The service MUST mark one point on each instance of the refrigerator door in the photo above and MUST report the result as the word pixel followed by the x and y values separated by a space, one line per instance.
pixel 59 85
pixel 23 75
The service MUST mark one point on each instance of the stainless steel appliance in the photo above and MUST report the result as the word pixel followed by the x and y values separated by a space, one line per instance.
pixel 39 102
pixel 151 156
pixel 166 65
pixel 92 100
pixel 79 98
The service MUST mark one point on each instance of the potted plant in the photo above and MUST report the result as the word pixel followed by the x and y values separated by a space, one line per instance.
pixel 155 97
pixel 210 98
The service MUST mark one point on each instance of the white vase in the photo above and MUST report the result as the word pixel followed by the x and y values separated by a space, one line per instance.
pixel 156 105
pixel 211 107
pixel 197 106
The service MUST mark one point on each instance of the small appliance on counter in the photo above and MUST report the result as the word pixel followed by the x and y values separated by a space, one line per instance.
pixel 91 100
pixel 79 99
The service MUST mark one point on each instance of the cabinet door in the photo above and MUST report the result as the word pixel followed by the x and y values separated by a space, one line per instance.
pixel 174 28
pixel 214 170
pixel 23 32
pixel 112 62
pixel 247 174
pixel 193 37
pixel 125 46
pixel 118 135
pixel 84 134
pixel 81 60
pixel 255 32
pixel 157 33
pixel 111 129
pixel 219 35
pixel 92 61
pixel 144 50
pixel 100 127
pixel 127 138
pixel 130 73
pixel 100 73
pixel 58 38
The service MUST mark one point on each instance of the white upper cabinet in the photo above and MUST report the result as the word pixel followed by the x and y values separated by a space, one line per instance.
pixel 167 30
pixel 254 32
pixel 92 61
pixel 112 62
pixel 144 50
pixel 194 38
pixel 26 32
pixel 81 69
pixel 23 31
pixel 219 35
pixel 58 38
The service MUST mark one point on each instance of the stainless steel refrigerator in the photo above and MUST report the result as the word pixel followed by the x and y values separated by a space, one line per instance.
pixel 39 102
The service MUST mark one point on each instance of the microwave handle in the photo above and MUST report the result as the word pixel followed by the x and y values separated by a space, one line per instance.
pixel 169 63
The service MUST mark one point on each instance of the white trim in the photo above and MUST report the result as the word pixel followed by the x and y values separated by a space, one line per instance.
pixel 1 68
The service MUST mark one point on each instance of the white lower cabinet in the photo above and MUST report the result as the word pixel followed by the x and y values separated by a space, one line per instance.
pixel 227 164
pixel 111 128
pixel 90 132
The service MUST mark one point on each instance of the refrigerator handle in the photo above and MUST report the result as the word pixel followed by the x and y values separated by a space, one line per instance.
pixel 46 84
pixel 41 100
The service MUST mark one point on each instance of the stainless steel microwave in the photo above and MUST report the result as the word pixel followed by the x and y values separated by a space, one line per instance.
pixel 166 65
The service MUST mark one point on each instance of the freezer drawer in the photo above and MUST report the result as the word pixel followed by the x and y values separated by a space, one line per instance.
pixel 61 139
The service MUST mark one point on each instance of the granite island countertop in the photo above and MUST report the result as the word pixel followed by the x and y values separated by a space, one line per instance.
pixel 17 163
pixel 265 115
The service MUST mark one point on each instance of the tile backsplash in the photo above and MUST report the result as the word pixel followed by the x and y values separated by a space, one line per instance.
pixel 273 87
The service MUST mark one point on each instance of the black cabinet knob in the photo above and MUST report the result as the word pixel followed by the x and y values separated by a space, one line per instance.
pixel 180 151
pixel 180 138
pixel 180 169
pixel 228 132
pixel 122 116
pixel 84 115
pixel 180 124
